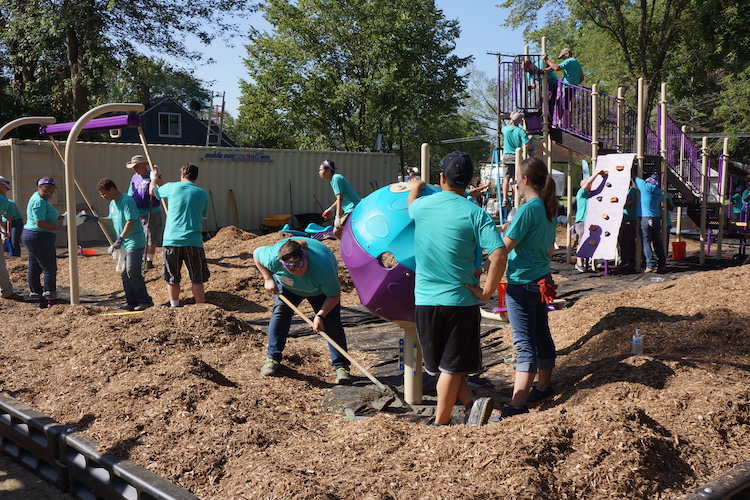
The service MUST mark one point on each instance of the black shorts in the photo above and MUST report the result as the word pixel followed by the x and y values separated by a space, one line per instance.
pixel 194 259
pixel 449 337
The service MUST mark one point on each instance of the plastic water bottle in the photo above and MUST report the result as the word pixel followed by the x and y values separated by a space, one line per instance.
pixel 637 345
pixel 656 279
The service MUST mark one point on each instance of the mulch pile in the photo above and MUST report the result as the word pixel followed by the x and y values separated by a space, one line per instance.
pixel 178 392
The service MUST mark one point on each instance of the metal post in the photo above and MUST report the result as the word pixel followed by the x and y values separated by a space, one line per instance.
pixel 704 188
pixel 70 192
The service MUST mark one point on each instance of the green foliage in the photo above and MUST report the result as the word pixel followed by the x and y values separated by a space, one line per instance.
pixel 333 73
pixel 59 55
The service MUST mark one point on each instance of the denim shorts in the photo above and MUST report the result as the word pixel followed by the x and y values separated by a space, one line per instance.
pixel 532 340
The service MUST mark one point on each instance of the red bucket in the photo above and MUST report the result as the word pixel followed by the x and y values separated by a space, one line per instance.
pixel 678 250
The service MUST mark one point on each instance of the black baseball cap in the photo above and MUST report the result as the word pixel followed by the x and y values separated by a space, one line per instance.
pixel 457 168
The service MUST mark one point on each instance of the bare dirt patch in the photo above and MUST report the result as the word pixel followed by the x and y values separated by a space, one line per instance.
pixel 178 392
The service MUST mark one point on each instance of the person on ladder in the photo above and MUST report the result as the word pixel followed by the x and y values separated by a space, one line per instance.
pixel 514 136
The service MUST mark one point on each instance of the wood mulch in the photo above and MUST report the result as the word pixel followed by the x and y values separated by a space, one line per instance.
pixel 178 390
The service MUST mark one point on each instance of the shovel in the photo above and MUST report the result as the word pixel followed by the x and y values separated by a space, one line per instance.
pixel 334 344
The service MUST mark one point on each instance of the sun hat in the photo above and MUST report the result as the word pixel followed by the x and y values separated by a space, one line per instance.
pixel 457 168
pixel 136 160
pixel 45 180
pixel 5 181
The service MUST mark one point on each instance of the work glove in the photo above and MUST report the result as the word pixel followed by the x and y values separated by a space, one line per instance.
pixel 116 245
pixel 327 213
pixel 337 222
pixel 155 173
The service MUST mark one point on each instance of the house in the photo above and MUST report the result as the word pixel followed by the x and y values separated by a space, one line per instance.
pixel 168 122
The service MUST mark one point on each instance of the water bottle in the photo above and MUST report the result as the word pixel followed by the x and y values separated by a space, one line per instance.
pixel 637 345
pixel 656 279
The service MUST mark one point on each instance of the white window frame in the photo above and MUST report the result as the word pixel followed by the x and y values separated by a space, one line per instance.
pixel 179 125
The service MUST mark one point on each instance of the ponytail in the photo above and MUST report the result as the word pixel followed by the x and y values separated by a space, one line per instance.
pixel 541 180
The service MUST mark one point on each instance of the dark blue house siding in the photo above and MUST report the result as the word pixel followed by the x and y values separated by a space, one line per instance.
pixel 168 122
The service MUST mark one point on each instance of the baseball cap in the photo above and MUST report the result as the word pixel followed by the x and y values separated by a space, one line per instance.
pixel 5 181
pixel 566 52
pixel 516 117
pixel 457 168
pixel 653 179
pixel 45 180
pixel 136 160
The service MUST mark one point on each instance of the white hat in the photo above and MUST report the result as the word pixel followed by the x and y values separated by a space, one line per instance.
pixel 5 181
pixel 136 160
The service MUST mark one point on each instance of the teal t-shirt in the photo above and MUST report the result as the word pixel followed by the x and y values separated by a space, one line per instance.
pixel 120 212
pixel 11 212
pixel 572 71
pixel 448 229
pixel 651 196
pixel 514 137
pixel 534 234
pixel 582 204
pixel 188 204
pixel 321 277
pixel 737 203
pixel 39 209
pixel 629 212
pixel 350 198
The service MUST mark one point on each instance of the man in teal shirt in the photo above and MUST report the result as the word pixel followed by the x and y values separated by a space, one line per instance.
pixel 514 136
pixel 124 215
pixel 448 228
pixel 183 232
pixel 572 77
pixel 649 211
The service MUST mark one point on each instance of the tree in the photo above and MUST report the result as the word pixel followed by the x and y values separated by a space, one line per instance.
pixel 334 73
pixel 140 79
pixel 652 37
pixel 67 44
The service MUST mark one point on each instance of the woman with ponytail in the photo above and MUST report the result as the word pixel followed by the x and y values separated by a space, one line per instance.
pixel 530 241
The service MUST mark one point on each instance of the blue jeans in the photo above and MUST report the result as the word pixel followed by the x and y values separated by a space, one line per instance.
pixel 535 349
pixel 651 235
pixel 132 279
pixel 281 321
pixel 42 259
pixel 16 228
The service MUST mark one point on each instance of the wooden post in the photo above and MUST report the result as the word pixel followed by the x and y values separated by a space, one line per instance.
pixel 640 133
pixel 722 196
pixel 594 127
pixel 665 166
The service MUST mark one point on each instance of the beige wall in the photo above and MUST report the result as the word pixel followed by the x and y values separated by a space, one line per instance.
pixel 261 179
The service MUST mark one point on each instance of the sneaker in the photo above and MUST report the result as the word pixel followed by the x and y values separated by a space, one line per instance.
pixel 128 307
pixel 13 296
pixel 580 268
pixel 510 411
pixel 343 377
pixel 269 368
pixel 148 265
pixel 539 395
pixel 480 412
pixel 142 307
pixel 35 296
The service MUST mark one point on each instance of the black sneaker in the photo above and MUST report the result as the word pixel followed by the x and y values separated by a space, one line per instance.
pixel 142 307
pixel 510 411
pixel 538 395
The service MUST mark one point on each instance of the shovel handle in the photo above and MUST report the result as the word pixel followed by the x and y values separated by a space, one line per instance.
pixel 333 343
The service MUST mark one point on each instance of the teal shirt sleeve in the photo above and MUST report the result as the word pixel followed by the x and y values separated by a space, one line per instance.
pixel 269 256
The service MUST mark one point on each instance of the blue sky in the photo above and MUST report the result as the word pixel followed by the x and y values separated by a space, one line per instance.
pixel 480 33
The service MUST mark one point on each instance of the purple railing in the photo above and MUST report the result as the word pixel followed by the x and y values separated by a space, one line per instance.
pixel 683 156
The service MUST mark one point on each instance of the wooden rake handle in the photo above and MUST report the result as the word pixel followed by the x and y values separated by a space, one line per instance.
pixel 333 343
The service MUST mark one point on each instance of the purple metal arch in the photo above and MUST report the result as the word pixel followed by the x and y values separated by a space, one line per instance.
pixel 110 122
